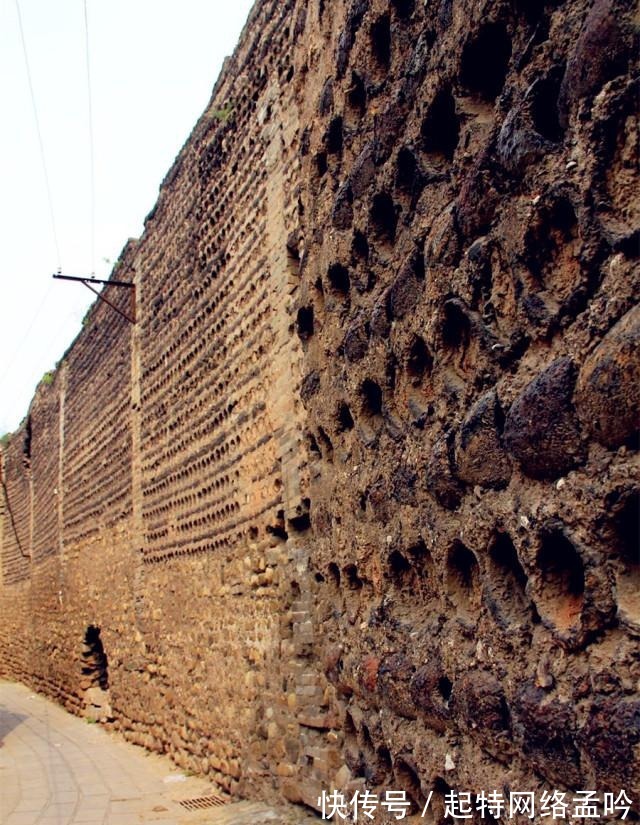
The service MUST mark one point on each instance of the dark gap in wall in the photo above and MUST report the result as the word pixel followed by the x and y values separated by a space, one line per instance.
pixel 338 276
pixel 627 529
pixel 371 397
pixel 403 8
pixel 357 94
pixel 354 581
pixel 278 529
pixel 381 40
pixel 334 573
pixel 345 419
pixel 440 129
pixel 26 444
pixel 406 170
pixel 293 260
pixel 463 577
pixel 562 577
pixel 456 327
pixel 300 523
pixel 409 781
pixel 384 755
pixel 544 107
pixel 445 688
pixel 359 245
pixel 304 322
pixel 419 360
pixel 383 217
pixel 399 565
pixel 333 138
pixel 313 445
pixel 503 553
pixel 485 61
pixel 326 443
pixel 95 662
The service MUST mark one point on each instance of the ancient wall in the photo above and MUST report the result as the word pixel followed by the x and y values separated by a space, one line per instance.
pixel 471 389
pixel 354 501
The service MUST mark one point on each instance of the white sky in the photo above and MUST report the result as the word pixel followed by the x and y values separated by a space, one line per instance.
pixel 153 66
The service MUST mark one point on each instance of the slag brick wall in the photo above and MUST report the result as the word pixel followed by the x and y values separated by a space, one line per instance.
pixel 354 502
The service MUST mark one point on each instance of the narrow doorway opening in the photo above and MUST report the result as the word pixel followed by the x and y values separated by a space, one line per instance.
pixel 95 677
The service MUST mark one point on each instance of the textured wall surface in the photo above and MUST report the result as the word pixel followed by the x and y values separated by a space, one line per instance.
pixel 354 503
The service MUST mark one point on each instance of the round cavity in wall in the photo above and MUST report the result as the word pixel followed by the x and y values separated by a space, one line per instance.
pixel 354 582
pixel 383 217
pixel 371 394
pixel 339 280
pixel 334 574
pixel 463 580
pixel 560 590
pixel 419 359
pixel 627 533
pixel 408 780
pixel 440 129
pixel 485 61
pixel 507 582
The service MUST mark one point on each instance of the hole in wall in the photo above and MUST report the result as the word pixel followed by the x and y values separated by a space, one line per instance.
pixel 381 41
pixel 403 8
pixel 357 94
pixel 334 573
pixel 321 163
pixel 345 419
pixel 349 727
pixel 626 525
pixel 445 688
pixel 359 245
pixel 419 359
pixel 95 676
pixel 354 582
pixel 94 658
pixel 407 171
pixel 384 755
pixel 463 579
pixel 561 587
pixel 456 327
pixel 440 128
pixel 507 583
pixel 383 217
pixel 339 279
pixel 300 523
pixel 485 61
pixel 304 322
pixel 408 780
pixel 399 566
pixel 314 449
pixel 26 444
pixel 543 102
pixel 293 260
pixel 326 443
pixel 278 529
pixel 371 394
pixel 333 139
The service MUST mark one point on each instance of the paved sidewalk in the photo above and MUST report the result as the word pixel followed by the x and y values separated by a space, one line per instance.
pixel 56 769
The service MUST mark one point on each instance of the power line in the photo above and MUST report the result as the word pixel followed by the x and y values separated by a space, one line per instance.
pixel 91 150
pixel 40 142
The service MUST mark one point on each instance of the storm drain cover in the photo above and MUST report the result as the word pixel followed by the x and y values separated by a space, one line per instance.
pixel 202 802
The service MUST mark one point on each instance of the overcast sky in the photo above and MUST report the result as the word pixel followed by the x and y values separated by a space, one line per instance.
pixel 153 64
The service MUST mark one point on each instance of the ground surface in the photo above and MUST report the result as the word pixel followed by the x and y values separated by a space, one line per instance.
pixel 56 769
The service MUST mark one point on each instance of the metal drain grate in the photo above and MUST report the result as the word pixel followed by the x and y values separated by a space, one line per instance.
pixel 200 803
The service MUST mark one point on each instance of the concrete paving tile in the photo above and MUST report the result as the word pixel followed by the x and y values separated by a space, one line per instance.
pixel 23 819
